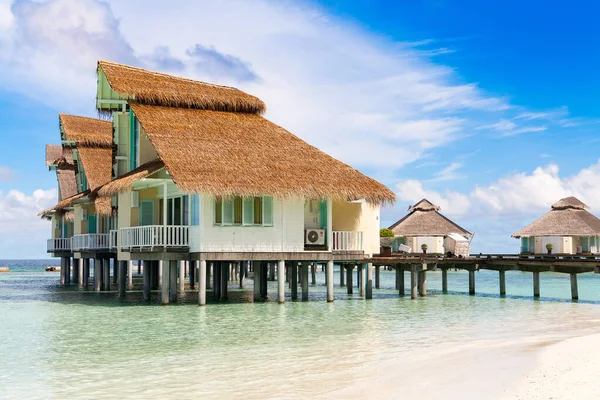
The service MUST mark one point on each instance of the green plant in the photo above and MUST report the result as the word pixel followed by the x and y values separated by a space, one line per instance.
pixel 549 246
pixel 424 246
pixel 385 232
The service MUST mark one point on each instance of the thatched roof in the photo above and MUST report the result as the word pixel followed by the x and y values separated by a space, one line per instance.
pixel 424 219
pixel 125 181
pixel 160 89
pixel 87 131
pixel 66 182
pixel 103 205
pixel 228 154
pixel 566 218
pixel 65 203
pixel 97 164
pixel 58 155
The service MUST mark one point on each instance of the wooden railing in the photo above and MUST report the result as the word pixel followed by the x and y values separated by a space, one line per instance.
pixel 347 240
pixel 154 236
pixel 90 241
pixel 112 239
pixel 59 244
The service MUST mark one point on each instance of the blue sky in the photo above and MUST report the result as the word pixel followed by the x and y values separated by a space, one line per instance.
pixel 488 110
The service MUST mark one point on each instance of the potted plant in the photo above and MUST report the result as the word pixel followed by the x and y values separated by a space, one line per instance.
pixel 424 248
pixel 386 238
pixel 549 247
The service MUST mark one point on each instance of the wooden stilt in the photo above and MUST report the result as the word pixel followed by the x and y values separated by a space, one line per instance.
pixel 294 276
pixel 106 269
pixel 363 280
pixel 329 274
pixel 80 273
pixel 304 281
pixel 209 267
pixel 130 274
pixel 264 281
pixel 423 281
pixel 165 288
pixel 97 277
pixel 281 282
pixel 225 269
pixel 115 270
pixel 193 272
pixel 536 284
pixel 502 278
pixel 147 271
pixel 122 269
pixel 313 273
pixel 400 280
pixel 574 289
pixel 413 282
pixel 216 279
pixel 369 281
pixel 256 281
pixel 472 282
pixel 445 280
pixel 377 276
pixel 349 284
pixel 86 272
pixel 201 282
pixel 243 272
pixel 181 281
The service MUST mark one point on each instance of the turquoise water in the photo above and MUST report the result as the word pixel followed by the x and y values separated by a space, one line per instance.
pixel 59 342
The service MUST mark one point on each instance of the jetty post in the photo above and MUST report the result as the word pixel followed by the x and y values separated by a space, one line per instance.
pixel 201 282
pixel 502 278
pixel 280 280
pixel 86 272
pixel 377 268
pixel 574 289
pixel 444 279
pixel 536 283
pixel 413 281
pixel 369 288
pixel 423 280
pixel 349 284
pixel 146 272
pixel 363 286
pixel 122 277
pixel 472 281
pixel 342 283
pixel 181 282
pixel 400 280
pixel 329 272
pixel 164 289
pixel 304 280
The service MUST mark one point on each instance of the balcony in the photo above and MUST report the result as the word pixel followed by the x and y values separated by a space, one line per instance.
pixel 90 241
pixel 347 240
pixel 59 244
pixel 154 236
pixel 112 241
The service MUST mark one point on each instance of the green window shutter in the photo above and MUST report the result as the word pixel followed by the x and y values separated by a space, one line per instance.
pixel 91 223
pixel 258 211
pixel 267 214
pixel 249 211
pixel 146 212
pixel 323 214
pixel 524 244
pixel 218 211
pixel 237 210
pixel 228 212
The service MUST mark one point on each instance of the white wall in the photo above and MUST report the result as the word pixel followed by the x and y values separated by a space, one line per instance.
pixel 286 234
pixel 370 224
pixel 435 244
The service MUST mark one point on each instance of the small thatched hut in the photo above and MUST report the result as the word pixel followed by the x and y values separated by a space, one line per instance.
pixel 568 228
pixel 424 225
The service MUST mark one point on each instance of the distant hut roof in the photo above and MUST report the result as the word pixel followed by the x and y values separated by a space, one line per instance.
pixel 154 88
pixel 567 217
pixel 66 182
pixel 58 155
pixel 62 158
pixel 86 131
pixel 125 181
pixel 424 219
pixel 229 154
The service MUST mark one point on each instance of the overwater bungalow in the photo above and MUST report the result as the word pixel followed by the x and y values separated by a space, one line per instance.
pixel 424 226
pixel 201 176
pixel 568 228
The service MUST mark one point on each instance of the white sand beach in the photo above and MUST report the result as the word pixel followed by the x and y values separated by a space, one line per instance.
pixel 564 370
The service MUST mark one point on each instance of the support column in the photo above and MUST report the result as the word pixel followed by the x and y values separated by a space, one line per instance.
pixel 363 279
pixel 574 289
pixel 130 275
pixel 445 280
pixel 165 267
pixel 413 282
pixel 329 272
pixel 97 274
pixel 280 278
pixel 263 281
pixel 294 282
pixel 216 270
pixel 193 273
pixel 272 271
pixel 106 270
pixel 349 284
pixel 173 264
pixel 225 269
pixel 159 274
pixel 147 271
pixel 342 283
pixel 369 288
pixel 398 272
pixel 122 266
pixel 201 282
pixel 377 268
pixel 313 273
pixel 400 275
pixel 243 272
pixel 115 269
pixel 536 284
pixel 502 276
pixel 280 282
pixel 181 283
pixel 472 282
pixel 67 270
pixel 304 280
pixel 86 272
pixel 63 270
pixel 80 273
pixel 209 267
pixel 423 281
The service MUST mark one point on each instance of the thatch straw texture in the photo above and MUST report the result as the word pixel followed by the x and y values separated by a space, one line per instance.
pixel 97 164
pixel 58 155
pixel 125 181
pixel 66 182
pixel 566 218
pixel 228 154
pixel 160 89
pixel 103 205
pixel 424 219
pixel 65 203
pixel 87 131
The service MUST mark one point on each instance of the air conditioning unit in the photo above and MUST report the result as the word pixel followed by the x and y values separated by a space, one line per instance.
pixel 83 214
pixel 135 199
pixel 314 236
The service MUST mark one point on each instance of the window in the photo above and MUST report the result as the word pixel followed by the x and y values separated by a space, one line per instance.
pixel 177 210
pixel 195 210
pixel 250 211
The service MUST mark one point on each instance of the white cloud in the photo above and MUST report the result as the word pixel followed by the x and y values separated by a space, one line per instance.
pixel 6 174
pixel 23 233
pixel 449 173
pixel 510 128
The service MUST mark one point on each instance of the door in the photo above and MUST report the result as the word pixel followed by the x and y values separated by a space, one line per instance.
pixel 91 221
pixel 146 212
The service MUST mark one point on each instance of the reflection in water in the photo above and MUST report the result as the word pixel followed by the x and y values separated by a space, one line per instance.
pixel 63 343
